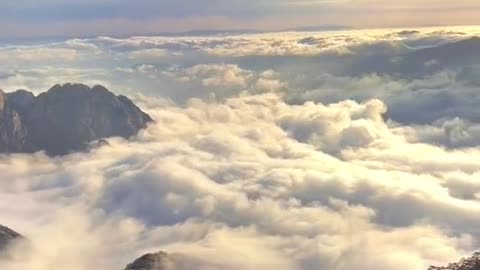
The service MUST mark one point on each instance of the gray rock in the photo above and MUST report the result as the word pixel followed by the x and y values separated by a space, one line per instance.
pixel 7 237
pixel 471 263
pixel 152 261
pixel 20 99
pixel 66 118
pixel 13 132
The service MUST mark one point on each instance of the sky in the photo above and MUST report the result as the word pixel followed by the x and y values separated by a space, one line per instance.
pixel 55 18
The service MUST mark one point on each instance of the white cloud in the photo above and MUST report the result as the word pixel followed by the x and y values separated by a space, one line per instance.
pixel 249 170
pixel 219 75
pixel 10 56
pixel 201 182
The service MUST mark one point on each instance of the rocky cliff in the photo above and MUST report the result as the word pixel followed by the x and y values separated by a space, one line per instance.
pixel 7 236
pixel 152 261
pixel 12 130
pixel 65 118
pixel 470 263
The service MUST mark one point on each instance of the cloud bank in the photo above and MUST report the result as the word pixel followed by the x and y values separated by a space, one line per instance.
pixel 251 165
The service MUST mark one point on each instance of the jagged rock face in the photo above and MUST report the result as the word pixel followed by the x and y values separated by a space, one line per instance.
pixel 20 99
pixel 65 118
pixel 3 100
pixel 471 263
pixel 152 261
pixel 7 236
pixel 12 130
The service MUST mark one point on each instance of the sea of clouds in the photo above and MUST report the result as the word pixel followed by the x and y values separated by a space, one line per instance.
pixel 264 154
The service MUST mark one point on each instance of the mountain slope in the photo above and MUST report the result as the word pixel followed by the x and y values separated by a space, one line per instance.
pixel 12 131
pixel 7 236
pixel 152 261
pixel 65 118
pixel 471 263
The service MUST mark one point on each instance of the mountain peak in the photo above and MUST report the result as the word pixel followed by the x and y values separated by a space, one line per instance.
pixel 20 98
pixel 7 236
pixel 152 261
pixel 471 263
pixel 66 118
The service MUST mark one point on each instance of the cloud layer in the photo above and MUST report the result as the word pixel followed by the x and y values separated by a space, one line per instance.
pixel 300 187
pixel 252 164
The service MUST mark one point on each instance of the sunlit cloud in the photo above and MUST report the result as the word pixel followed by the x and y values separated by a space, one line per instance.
pixel 268 151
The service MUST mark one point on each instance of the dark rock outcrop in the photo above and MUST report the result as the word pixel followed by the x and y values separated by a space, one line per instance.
pixel 7 237
pixel 66 118
pixel 13 132
pixel 20 99
pixel 471 263
pixel 152 261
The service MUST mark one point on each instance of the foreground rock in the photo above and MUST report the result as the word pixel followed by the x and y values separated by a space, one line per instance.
pixel 471 263
pixel 7 237
pixel 66 118
pixel 152 261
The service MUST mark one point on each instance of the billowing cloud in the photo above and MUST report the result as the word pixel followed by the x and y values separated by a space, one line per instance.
pixel 265 153
pixel 199 181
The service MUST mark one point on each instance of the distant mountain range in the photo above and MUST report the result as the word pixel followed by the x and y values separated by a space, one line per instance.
pixel 66 118
pixel 316 28
pixel 320 28
pixel 462 56
pixel 190 33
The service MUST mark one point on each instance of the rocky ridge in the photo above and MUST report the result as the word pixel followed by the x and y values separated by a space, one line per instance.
pixel 66 118
pixel 7 237
pixel 470 263
pixel 152 261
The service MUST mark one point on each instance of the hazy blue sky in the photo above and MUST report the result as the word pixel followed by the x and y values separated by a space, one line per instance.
pixel 27 18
